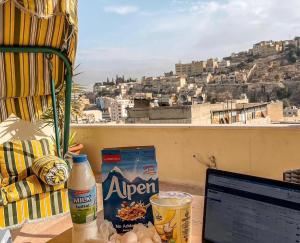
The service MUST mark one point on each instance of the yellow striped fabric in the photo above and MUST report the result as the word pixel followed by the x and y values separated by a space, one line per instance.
pixel 30 209
pixel 16 158
pixel 51 170
pixel 26 188
pixel 48 23
pixel 27 108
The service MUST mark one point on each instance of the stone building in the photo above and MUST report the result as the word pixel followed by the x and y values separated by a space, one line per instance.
pixel 194 68
pixel 188 114
pixel 211 65
pixel 251 113
pixel 267 48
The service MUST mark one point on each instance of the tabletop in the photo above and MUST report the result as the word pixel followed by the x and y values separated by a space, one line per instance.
pixel 197 213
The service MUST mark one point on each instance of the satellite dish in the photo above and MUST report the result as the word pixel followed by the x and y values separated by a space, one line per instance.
pixel 199 99
pixel 183 98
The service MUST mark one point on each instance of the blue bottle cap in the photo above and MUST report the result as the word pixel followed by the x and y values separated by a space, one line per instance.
pixel 80 158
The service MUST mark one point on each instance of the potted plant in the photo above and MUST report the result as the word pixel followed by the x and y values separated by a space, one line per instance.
pixel 76 111
pixel 73 146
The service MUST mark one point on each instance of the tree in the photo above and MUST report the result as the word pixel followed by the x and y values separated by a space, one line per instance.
pixel 48 115
pixel 250 59
pixel 241 65
pixel 291 57
pixel 283 93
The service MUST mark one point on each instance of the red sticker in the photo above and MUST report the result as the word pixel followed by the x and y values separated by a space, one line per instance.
pixel 81 192
pixel 112 158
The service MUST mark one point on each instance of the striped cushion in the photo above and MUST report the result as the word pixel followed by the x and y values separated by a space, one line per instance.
pixel 48 23
pixel 35 23
pixel 27 108
pixel 39 206
pixel 3 199
pixel 16 158
pixel 26 188
pixel 37 81
pixel 51 169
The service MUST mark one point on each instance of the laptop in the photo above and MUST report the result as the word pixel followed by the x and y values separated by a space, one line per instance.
pixel 246 209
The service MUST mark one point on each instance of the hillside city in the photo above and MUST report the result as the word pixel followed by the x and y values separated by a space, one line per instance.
pixel 257 86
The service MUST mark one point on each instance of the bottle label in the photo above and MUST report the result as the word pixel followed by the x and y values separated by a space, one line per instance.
pixel 83 205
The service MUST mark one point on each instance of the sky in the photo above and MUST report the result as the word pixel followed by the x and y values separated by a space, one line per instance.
pixel 139 38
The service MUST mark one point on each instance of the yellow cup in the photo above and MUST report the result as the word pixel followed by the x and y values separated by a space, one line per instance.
pixel 172 213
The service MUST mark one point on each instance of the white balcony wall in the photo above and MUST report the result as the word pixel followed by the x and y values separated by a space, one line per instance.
pixel 182 150
pixel 14 128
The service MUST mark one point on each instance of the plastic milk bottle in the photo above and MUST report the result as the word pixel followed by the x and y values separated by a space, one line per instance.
pixel 83 200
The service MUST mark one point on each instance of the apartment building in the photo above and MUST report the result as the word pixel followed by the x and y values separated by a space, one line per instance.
pixel 240 115
pixel 205 78
pixel 187 114
pixel 183 69
pixel 91 116
pixel 297 42
pixel 267 48
pixel 291 111
pixel 123 104
pixel 233 112
pixel 106 116
pixel 211 65
pixel 248 113
pixel 198 68
pixel 117 108
pixel 114 111
pixel 194 68
pixel 103 102
pixel 287 43
pixel 98 87
pixel 171 81
pixel 147 81
pixel 236 77
pixel 223 65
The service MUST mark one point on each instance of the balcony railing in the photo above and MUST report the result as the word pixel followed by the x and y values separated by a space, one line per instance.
pixel 184 151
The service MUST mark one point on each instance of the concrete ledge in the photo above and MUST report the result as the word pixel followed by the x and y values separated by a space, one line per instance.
pixel 185 151
pixel 148 126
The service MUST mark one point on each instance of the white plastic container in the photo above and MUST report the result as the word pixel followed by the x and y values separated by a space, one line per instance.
pixel 83 200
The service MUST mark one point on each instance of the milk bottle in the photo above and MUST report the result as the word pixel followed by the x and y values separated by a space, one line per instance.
pixel 82 194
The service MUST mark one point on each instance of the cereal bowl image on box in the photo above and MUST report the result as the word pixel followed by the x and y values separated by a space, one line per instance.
pixel 129 179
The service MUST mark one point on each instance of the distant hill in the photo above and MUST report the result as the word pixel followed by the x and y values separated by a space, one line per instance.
pixel 274 77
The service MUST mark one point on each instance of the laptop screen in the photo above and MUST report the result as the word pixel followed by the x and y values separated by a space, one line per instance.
pixel 240 208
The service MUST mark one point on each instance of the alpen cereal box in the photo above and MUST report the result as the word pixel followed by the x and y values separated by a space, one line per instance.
pixel 129 179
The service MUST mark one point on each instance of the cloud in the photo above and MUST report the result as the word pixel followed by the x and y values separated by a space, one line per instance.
pixel 189 30
pixel 121 9
pixel 217 28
